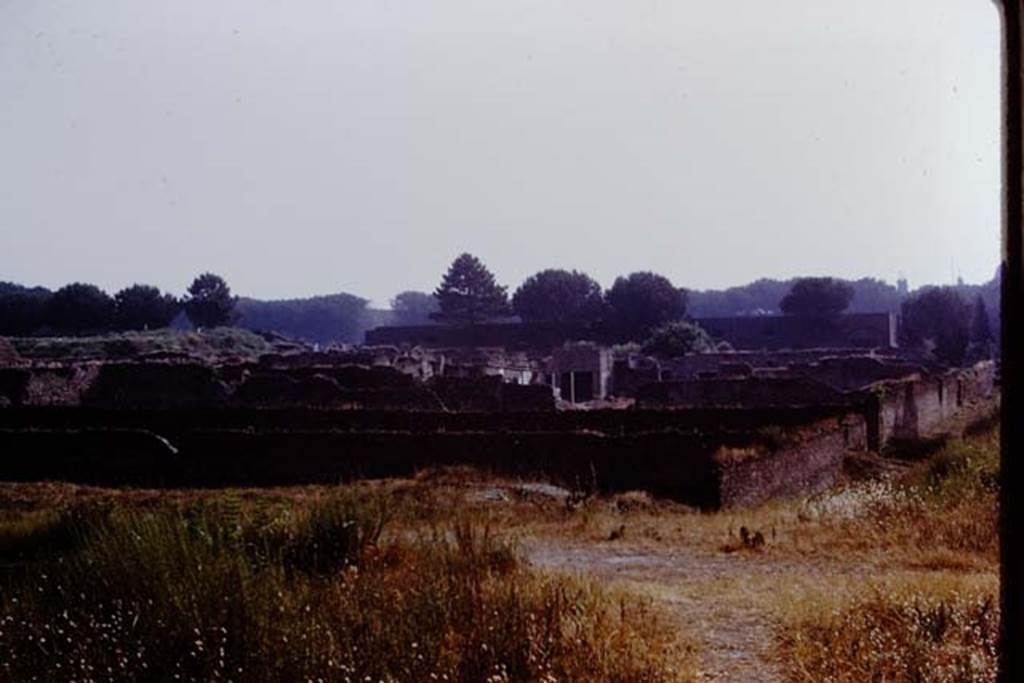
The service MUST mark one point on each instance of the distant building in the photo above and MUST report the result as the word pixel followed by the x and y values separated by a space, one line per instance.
pixel 516 336
pixel 858 330
pixel 852 330
pixel 581 372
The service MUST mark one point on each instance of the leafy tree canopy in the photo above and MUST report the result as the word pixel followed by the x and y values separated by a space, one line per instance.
pixel 469 294
pixel 937 318
pixel 981 327
pixel 143 307
pixel 763 296
pixel 414 308
pixel 209 302
pixel 559 296
pixel 323 319
pixel 22 309
pixel 678 338
pixel 817 296
pixel 642 301
pixel 80 308
pixel 982 342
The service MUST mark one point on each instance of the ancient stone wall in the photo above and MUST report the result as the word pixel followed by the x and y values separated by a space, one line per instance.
pixel 172 422
pixel 753 393
pixel 684 465
pixel 936 405
pixel 14 385
pixel 810 462
pixel 8 354
pixel 155 385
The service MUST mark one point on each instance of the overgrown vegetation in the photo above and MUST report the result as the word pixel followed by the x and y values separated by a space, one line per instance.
pixel 891 578
pixel 930 627
pixel 212 591
pixel 898 634
pixel 210 344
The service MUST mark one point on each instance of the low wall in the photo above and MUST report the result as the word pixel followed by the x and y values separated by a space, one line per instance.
pixel 810 463
pixel 747 392
pixel 171 386
pixel 676 463
pixel 609 422
pixel 932 406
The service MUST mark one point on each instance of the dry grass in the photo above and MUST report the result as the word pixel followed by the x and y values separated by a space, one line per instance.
pixel 909 627
pixel 212 587
pixel 931 614
pixel 870 563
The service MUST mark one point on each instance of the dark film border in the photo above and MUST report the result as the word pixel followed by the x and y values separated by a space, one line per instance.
pixel 1011 657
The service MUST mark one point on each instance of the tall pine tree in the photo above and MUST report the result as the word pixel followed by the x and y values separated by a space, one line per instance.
pixel 468 293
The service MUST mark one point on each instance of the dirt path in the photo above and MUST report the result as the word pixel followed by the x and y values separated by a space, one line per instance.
pixel 715 596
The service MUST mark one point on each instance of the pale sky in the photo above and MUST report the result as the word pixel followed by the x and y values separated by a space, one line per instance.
pixel 301 147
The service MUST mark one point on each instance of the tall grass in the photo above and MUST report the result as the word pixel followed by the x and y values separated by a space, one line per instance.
pixel 899 635
pixel 933 626
pixel 318 594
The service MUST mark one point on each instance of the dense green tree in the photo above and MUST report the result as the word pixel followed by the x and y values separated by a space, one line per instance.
pixel 642 301
pixel 209 302
pixel 678 338
pixel 981 328
pixel 559 296
pixel 817 296
pixel 763 296
pixel 143 307
pixel 323 319
pixel 871 295
pixel 22 309
pixel 414 308
pixel 469 294
pixel 937 319
pixel 80 308
pixel 981 344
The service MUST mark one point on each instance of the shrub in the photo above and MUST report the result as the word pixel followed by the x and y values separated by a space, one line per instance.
pixel 678 338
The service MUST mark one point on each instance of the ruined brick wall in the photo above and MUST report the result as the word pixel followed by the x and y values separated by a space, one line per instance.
pixel 854 372
pixel 582 358
pixel 629 374
pixel 156 385
pixel 693 365
pixel 928 406
pixel 172 422
pixel 756 392
pixel 810 462
pixel 60 385
pixel 679 466
pixel 13 386
pixel 8 354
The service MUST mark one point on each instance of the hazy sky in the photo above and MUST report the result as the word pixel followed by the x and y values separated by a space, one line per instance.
pixel 302 147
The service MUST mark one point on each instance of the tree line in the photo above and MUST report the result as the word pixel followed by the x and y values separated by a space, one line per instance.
pixel 80 308
pixel 646 307
pixel 642 307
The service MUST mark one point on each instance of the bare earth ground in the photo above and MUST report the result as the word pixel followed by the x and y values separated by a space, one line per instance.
pixel 732 599
pixel 735 633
